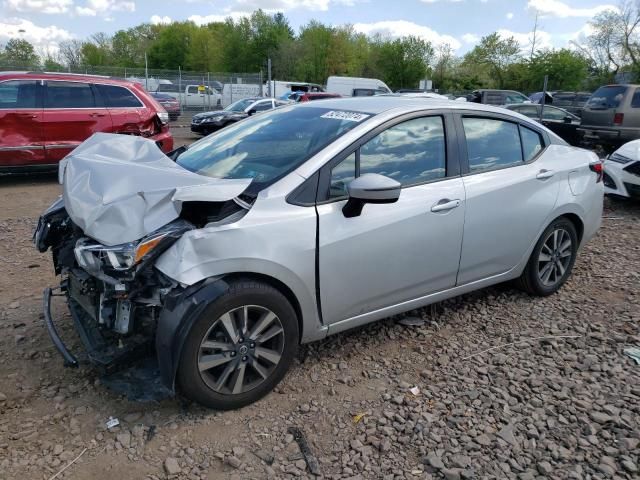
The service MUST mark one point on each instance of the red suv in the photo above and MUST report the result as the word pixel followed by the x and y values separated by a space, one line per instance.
pixel 43 116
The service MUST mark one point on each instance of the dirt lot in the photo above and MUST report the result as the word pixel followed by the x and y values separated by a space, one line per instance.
pixel 563 406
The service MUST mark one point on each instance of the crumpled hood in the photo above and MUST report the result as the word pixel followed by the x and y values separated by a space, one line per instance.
pixel 120 188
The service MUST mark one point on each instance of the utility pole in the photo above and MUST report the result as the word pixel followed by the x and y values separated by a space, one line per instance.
pixel 535 34
pixel 146 73
pixel 271 92
pixel 544 96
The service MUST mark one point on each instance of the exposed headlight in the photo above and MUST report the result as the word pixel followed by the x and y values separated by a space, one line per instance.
pixel 211 119
pixel 164 117
pixel 93 256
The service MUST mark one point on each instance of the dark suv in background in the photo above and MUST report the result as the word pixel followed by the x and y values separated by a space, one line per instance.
pixel 44 116
pixel 611 117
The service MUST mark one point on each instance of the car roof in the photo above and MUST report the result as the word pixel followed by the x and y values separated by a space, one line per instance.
pixel 66 76
pixel 379 104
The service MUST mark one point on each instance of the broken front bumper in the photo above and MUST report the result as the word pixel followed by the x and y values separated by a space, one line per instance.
pixel 107 352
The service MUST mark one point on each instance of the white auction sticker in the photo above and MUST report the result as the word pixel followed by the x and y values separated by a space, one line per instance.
pixel 348 116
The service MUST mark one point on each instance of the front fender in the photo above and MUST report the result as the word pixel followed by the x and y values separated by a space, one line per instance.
pixel 180 311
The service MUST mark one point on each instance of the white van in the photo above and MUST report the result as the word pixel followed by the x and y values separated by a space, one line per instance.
pixel 356 87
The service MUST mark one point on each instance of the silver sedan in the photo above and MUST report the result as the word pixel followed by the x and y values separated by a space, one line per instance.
pixel 309 220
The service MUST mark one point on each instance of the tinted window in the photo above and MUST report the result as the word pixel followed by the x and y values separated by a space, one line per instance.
pixel 635 101
pixel 531 143
pixel 118 97
pixel 550 113
pixel 68 95
pixel 515 98
pixel 364 92
pixel 607 97
pixel 18 94
pixel 494 98
pixel 491 143
pixel 262 106
pixel 564 99
pixel 341 175
pixel 192 89
pixel 529 111
pixel 265 147
pixel 410 152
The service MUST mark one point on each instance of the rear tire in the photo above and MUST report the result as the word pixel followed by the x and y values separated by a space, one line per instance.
pixel 552 259
pixel 239 348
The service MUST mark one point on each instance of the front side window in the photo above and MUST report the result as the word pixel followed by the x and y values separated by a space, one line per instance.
pixel 118 97
pixel 491 143
pixel 551 113
pixel 516 98
pixel 240 105
pixel 529 111
pixel 268 146
pixel 68 95
pixel 18 94
pixel 341 175
pixel 410 152
pixel 262 106
pixel 192 89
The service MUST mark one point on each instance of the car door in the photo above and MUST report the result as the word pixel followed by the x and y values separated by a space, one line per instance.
pixel 125 109
pixel 554 119
pixel 70 117
pixel 261 106
pixel 396 252
pixel 511 189
pixel 21 130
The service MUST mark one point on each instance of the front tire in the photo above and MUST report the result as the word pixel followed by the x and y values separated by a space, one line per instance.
pixel 552 259
pixel 239 348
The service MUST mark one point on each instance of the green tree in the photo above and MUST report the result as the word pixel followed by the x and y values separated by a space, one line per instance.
pixel 567 70
pixel 20 52
pixel 494 55
pixel 404 61
pixel 171 47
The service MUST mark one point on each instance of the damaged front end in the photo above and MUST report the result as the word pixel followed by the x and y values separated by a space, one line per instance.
pixel 114 292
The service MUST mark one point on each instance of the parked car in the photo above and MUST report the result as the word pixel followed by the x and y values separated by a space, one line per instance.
pixel 558 120
pixel 611 117
pixel 207 122
pixel 170 104
pixel 310 97
pixel 497 97
pixel 572 102
pixel 279 88
pixel 44 116
pixel 622 171
pixel 260 237
pixel 192 96
pixel 356 87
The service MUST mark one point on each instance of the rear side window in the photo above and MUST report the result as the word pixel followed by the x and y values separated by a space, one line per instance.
pixel 494 98
pixel 529 111
pixel 606 97
pixel 531 143
pixel 635 100
pixel 18 94
pixel 491 143
pixel 263 106
pixel 363 92
pixel 564 99
pixel 68 95
pixel 551 113
pixel 118 97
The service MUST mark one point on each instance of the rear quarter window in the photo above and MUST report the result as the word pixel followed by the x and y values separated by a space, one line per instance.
pixel 114 96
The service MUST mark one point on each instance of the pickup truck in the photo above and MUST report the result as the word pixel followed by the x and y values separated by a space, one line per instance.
pixel 191 96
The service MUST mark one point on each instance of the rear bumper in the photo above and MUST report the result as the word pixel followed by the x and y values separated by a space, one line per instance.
pixel 612 135
pixel 164 140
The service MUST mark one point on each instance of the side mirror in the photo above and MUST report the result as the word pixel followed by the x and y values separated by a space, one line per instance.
pixel 252 111
pixel 568 119
pixel 370 188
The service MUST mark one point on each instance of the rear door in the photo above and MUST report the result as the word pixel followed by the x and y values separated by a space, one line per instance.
pixel 21 128
pixel 71 115
pixel 124 107
pixel 511 189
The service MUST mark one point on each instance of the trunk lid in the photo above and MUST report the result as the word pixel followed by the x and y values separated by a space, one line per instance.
pixel 601 109
pixel 120 188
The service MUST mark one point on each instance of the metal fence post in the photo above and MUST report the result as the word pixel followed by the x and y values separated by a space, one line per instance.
pixel 180 88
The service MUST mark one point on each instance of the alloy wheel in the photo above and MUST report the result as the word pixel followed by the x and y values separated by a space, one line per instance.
pixel 241 349
pixel 555 257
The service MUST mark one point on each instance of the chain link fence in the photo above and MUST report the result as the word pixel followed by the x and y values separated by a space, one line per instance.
pixel 196 91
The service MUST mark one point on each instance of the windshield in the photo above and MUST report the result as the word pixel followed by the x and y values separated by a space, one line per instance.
pixel 240 105
pixel 268 146
pixel 607 97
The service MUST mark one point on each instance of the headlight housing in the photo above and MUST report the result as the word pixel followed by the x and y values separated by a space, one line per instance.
pixel 163 117
pixel 94 257
pixel 215 118
pixel 616 157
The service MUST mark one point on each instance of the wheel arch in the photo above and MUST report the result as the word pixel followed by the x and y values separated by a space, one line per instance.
pixel 577 223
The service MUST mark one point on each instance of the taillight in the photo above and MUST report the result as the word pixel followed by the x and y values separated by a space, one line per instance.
pixel 618 118
pixel 597 167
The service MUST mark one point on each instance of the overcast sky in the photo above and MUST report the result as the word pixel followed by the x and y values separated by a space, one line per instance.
pixel 460 23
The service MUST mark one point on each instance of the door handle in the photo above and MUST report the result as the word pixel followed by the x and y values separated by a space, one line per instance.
pixel 445 204
pixel 28 115
pixel 95 114
pixel 545 174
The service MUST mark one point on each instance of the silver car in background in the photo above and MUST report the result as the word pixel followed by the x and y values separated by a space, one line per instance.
pixel 303 222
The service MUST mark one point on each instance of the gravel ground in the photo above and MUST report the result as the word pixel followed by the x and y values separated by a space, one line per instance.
pixel 554 398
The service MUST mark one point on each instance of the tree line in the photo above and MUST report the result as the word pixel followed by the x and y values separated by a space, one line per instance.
pixel 318 50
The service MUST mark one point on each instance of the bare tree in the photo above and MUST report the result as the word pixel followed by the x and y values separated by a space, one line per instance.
pixel 534 36
pixel 71 53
